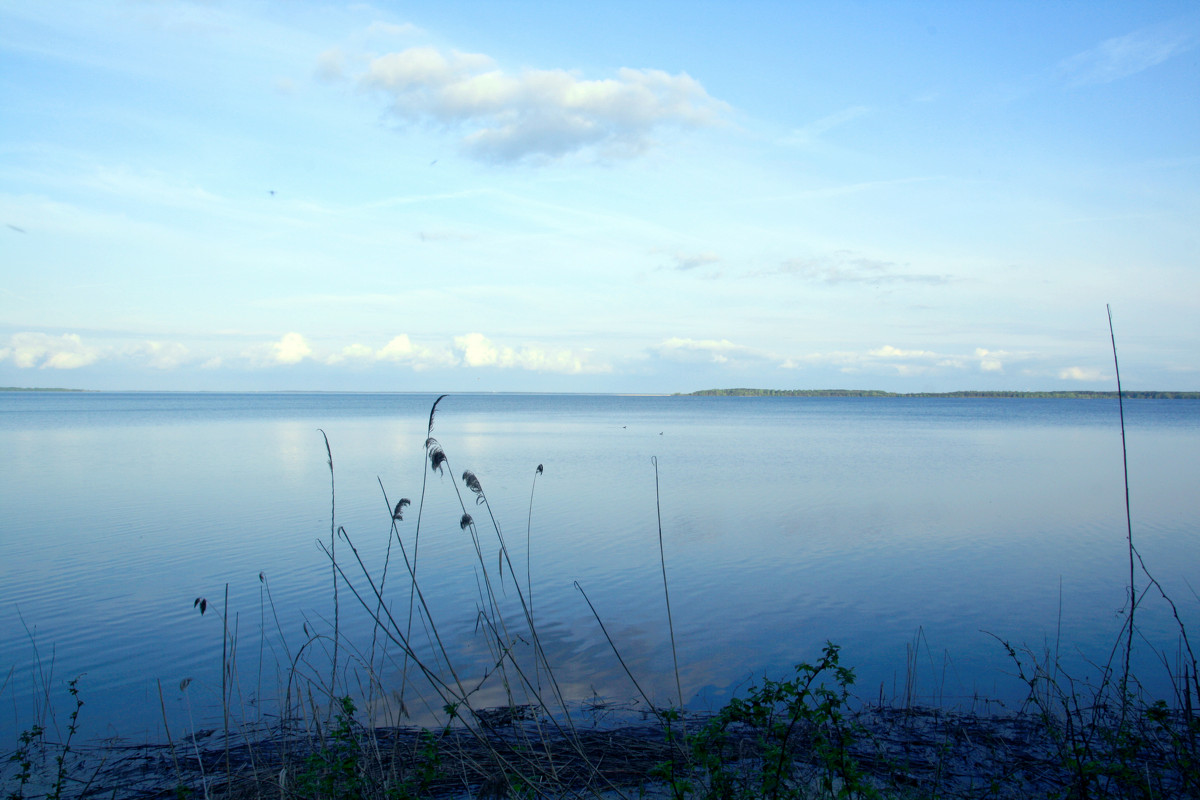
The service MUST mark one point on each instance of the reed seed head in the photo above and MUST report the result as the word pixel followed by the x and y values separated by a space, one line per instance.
pixel 437 457
pixel 398 513
pixel 473 484
pixel 465 522
pixel 539 469
pixel 202 603
pixel 433 410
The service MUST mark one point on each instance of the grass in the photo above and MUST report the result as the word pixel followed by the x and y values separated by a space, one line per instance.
pixel 500 725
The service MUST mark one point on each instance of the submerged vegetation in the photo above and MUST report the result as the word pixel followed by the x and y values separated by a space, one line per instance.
pixel 502 724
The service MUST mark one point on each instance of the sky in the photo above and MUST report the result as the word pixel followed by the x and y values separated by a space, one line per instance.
pixel 641 197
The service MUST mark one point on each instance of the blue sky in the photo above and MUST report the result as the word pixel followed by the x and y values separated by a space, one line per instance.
pixel 613 197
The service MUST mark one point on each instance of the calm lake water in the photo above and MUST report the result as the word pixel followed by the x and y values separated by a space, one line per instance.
pixel 888 526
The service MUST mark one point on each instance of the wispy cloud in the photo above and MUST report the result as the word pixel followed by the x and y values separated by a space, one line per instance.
pixel 1127 55
pixel 714 351
pixel 445 235
pixel 883 360
pixel 535 113
pixel 1088 374
pixel 686 262
pixel 159 355
pixel 404 29
pixel 812 132
pixel 890 360
pixel 331 65
pixel 844 266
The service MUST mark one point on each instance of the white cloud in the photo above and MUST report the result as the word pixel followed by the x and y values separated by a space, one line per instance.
pixel 160 355
pixel 291 349
pixel 537 113
pixel 399 348
pixel 989 361
pixel 402 350
pixel 887 351
pixel 1127 55
pixel 476 350
pixel 469 350
pixel 27 350
pixel 1081 374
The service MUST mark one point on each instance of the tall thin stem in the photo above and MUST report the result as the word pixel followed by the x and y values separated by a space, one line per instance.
pixel 529 562
pixel 412 568
pixel 1128 520
pixel 225 676
pixel 333 557
pixel 662 559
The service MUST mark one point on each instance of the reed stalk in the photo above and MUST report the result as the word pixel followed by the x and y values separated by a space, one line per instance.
pixel 662 560
pixel 333 555
pixel 1128 523
pixel 529 557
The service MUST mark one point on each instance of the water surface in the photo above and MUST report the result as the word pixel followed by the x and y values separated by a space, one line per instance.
pixel 876 523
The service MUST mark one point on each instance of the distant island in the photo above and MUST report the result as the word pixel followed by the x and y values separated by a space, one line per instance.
pixel 1075 395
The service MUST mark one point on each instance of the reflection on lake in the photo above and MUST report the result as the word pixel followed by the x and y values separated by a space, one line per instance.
pixel 874 523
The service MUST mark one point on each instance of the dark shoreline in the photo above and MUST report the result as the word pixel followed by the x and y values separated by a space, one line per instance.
pixel 907 752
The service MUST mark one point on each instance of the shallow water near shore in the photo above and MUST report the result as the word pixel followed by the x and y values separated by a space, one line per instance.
pixel 908 530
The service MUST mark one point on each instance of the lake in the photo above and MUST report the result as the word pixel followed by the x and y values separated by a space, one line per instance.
pixel 914 532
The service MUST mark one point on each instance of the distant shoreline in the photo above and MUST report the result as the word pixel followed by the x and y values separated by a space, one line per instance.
pixel 1069 395
pixel 740 392
pixel 36 389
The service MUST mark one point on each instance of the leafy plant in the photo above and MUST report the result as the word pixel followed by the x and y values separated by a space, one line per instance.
pixel 427 765
pixel 335 771
pixel 32 746
pixel 60 760
pixel 809 709
pixel 23 757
